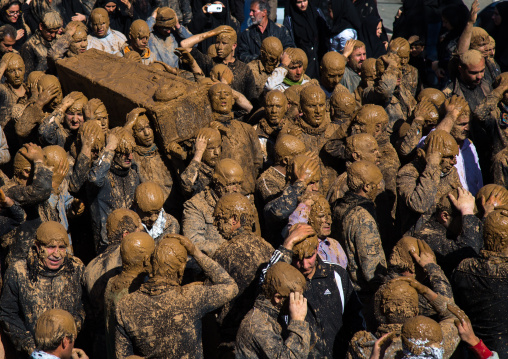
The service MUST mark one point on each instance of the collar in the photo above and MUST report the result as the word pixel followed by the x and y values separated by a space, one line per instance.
pixel 211 197
pixel 146 151
pixel 222 118
pixel 43 355
pixel 264 305
pixel 268 129
pixel 291 83
pixel 312 130
pixel 146 54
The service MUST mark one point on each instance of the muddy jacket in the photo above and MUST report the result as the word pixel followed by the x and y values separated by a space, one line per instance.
pixel 449 249
pixel 410 79
pixel 29 290
pixel 261 335
pixel 10 218
pixel 197 222
pixel 109 189
pixel 363 342
pixel 249 41
pixel 481 288
pixel 350 80
pixel 270 184
pixel 260 75
pixel 243 80
pixel 267 137
pixel 34 53
pixel 242 257
pixel 357 228
pixel 170 315
pixel 334 310
pixel 499 168
pixel 8 100
pixel 52 132
pixel 240 143
pixel 195 178
pixel 398 101
pixel 151 167
pixel 278 210
pixel 419 188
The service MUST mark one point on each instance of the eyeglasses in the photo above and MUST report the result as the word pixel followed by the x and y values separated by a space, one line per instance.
pixel 11 13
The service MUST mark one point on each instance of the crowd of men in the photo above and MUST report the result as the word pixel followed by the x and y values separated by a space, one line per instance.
pixel 353 215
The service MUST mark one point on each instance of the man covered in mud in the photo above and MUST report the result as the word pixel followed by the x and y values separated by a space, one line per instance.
pixel 207 151
pixel 35 50
pixel 242 255
pixel 225 45
pixel 304 176
pixel 62 125
pixel 260 334
pixel 72 43
pixel 331 71
pixel 354 217
pixel 55 335
pixel 453 232
pixel 48 278
pixel 12 92
pixel 480 284
pixel 269 127
pixel 166 36
pixel 106 265
pixel 148 201
pixel 104 38
pixel 342 108
pixel 49 96
pixel 146 155
pixel 290 72
pixel 271 182
pixel 198 223
pixel 239 140
pixel 334 310
pixel 262 67
pixel 171 312
pixel 139 33
pixel 136 250
pixel 410 78
pixel 112 182
pixel 395 303
pixel 423 182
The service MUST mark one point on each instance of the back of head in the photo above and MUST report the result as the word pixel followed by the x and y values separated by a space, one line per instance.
pixel 149 197
pixel 221 73
pixel 501 78
pixel 53 155
pixel 169 258
pixel 422 337
pixel 495 231
pixel 371 114
pixel 235 205
pixel 361 173
pixel 52 20
pixel 401 260
pixel 283 278
pixel 135 249
pixel 126 142
pixel 272 46
pixel 33 79
pixel 298 162
pixel 52 327
pixel 98 141
pixel 343 102
pixel 94 108
pixel 486 191
pixel 119 221
pixel 354 144
pixel 435 96
pixel 287 146
pixel 333 61
pixel 7 31
pixel 228 171
pixel 166 17
pixel 445 142
pixel 306 248
pixel 479 38
pixel 400 47
pixel 46 81
pixel 369 69
pixel 395 302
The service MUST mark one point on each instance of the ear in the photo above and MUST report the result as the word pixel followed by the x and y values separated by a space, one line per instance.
pixel 355 155
pixel 234 46
pixel 125 233
pixel 285 160
pixel 277 298
pixel 41 26
pixel 235 220
pixel 443 217
pixel 65 343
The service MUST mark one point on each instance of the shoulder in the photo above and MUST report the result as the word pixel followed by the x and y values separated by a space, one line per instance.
pixel 195 201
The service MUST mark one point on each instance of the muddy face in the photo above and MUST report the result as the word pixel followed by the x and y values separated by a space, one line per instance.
pixel 123 160
pixel 143 133
pixel 74 114
pixel 276 107
pixel 448 148
pixel 213 151
pixel 138 34
pixel 305 256
pixel 364 147
pixel 51 241
pixel 232 212
pixel 15 72
pixel 371 119
pixel 224 45
pixel 332 69
pixel 100 22
pixel 79 41
pixel 401 48
pixel 313 104
pixel 228 177
pixel 101 114
pixel 221 98
pixel 460 129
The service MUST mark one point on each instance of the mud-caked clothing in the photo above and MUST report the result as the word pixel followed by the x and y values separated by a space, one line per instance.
pixel 450 249
pixel 195 178
pixel 410 79
pixel 350 79
pixel 30 289
pixel 260 75
pixel 170 315
pixel 270 184
pixel 53 132
pixel 112 43
pixel 152 168
pixel 243 256
pixel 355 226
pixel 197 221
pixel 420 187
pixel 261 334
pixel 35 53
pixel 333 307
pixel 278 81
pixel 480 287
pixel 11 106
pixel 109 188
pixel 165 224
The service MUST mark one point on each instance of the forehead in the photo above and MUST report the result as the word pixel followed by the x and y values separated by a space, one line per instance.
pixel 359 50
pixel 55 243
pixel 222 91
pixel 99 18
pixel 275 99
pixel 224 38
pixel 142 121
pixel 15 64
pixel 313 98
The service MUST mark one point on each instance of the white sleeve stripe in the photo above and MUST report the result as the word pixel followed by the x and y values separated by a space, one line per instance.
pixel 338 280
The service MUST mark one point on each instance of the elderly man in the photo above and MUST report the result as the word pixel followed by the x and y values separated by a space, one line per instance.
pixel 103 37
pixel 261 28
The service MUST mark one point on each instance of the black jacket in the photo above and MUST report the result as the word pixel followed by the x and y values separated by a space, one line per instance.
pixel 249 44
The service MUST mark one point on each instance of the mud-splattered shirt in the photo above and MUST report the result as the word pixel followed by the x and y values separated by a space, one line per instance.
pixel 260 75
pixel 165 321
pixel 270 184
pixel 152 168
pixel 30 290
pixel 197 222
pixel 261 335
pixel 195 177
pixel 112 43
pixel 350 79
pixel 52 132
pixel 34 53
pixel 9 99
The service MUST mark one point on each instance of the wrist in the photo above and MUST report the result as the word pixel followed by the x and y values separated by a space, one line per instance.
pixel 467 211
pixel 481 350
